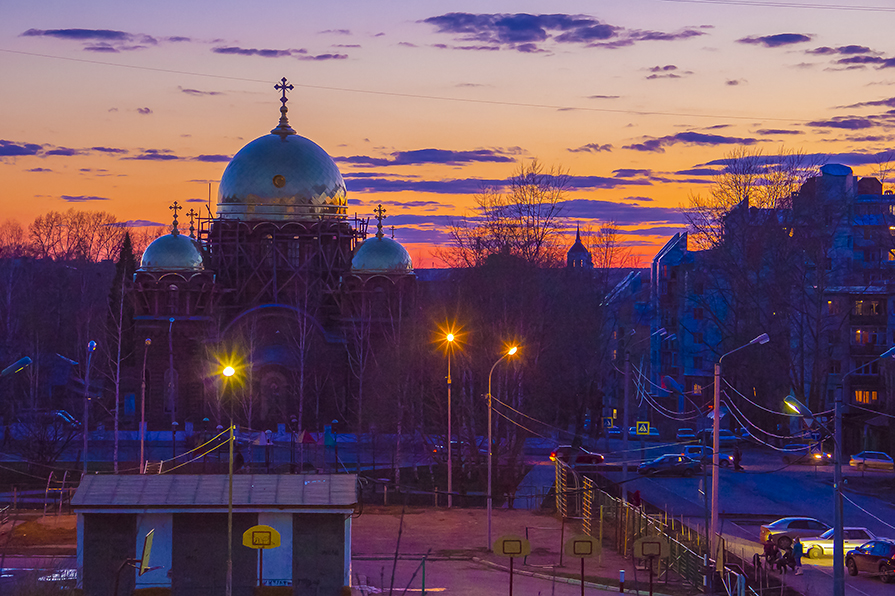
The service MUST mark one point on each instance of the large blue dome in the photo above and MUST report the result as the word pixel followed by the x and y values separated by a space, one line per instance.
pixel 281 177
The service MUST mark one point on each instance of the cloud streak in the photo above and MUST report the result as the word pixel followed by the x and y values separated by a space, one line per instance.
pixel 427 156
pixel 776 41
pixel 688 138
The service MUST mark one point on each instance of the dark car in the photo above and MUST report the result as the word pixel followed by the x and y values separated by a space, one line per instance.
pixel 784 530
pixel 876 557
pixel 725 437
pixel 576 457
pixel 704 454
pixel 800 453
pixel 672 464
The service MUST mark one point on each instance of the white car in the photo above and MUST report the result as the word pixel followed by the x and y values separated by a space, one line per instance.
pixel 872 460
pixel 823 544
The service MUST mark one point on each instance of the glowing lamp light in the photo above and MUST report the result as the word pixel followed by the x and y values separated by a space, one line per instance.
pixel 450 337
pixel 512 351
pixel 228 371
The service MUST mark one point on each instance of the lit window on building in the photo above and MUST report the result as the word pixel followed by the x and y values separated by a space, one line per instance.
pixel 865 397
pixel 832 307
pixel 868 336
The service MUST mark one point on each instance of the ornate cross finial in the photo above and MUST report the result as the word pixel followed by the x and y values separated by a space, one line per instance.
pixel 380 215
pixel 175 208
pixel 393 232
pixel 283 129
pixel 192 213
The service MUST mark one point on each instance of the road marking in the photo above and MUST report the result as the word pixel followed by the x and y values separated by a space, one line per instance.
pixel 847 587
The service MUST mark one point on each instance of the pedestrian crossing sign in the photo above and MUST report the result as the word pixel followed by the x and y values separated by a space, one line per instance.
pixel 642 428
pixel 607 422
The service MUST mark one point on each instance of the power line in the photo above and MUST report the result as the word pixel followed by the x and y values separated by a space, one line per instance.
pixel 411 95
pixel 807 6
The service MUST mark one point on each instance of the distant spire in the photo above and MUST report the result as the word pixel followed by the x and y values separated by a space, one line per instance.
pixel 192 213
pixel 283 129
pixel 380 215
pixel 175 208
pixel 578 233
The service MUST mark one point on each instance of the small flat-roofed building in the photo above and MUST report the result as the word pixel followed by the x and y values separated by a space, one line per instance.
pixel 312 514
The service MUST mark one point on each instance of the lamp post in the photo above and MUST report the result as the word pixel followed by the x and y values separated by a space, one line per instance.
pixel 229 372
pixel 91 348
pixel 838 521
pixel 716 431
pixel 626 412
pixel 450 460
pixel 509 352
pixel 336 445
pixel 174 426
pixel 146 343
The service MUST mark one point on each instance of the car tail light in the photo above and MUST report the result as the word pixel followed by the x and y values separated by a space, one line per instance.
pixel 553 456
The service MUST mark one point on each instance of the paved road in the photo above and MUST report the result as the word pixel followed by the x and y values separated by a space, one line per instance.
pixel 769 489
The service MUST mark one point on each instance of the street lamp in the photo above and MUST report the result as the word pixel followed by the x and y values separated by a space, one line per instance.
pixel 146 343
pixel 450 460
pixel 626 412
pixel 838 535
pixel 91 348
pixel 509 352
pixel 228 372
pixel 716 431
pixel 16 366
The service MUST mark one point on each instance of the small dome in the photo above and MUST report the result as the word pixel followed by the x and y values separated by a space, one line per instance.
pixel 173 252
pixel 282 177
pixel 381 255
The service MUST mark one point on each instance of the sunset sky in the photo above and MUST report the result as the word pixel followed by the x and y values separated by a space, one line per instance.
pixel 125 107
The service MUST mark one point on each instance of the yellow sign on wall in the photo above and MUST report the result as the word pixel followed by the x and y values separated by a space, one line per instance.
pixel 261 537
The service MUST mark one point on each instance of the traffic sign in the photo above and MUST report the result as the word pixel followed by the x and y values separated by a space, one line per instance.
pixel 607 422
pixel 582 546
pixel 642 427
pixel 512 546
pixel 261 537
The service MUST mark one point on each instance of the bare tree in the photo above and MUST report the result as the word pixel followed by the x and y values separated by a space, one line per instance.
pixel 76 235
pixel 524 221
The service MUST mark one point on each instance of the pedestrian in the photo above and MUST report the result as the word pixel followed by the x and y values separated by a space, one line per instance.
pixel 737 458
pixel 786 560
pixel 770 552
pixel 797 551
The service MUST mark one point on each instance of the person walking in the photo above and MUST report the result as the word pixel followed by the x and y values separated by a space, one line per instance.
pixel 797 551
pixel 770 552
pixel 737 458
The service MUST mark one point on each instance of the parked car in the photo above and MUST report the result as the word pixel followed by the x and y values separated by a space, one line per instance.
pixel 800 453
pixel 874 460
pixel 704 454
pixel 672 463
pixel 823 544
pixel 685 434
pixel 725 437
pixel 582 457
pixel 460 450
pixel 614 432
pixel 784 530
pixel 876 556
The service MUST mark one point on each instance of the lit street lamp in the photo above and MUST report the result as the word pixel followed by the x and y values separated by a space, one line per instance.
pixel 16 366
pixel 450 460
pixel 91 348
pixel 229 372
pixel 838 535
pixel 716 439
pixel 509 352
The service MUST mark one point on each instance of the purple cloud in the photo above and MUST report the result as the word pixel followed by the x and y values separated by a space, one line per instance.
pixel 101 40
pixel 421 156
pixel 264 53
pixel 688 138
pixel 13 149
pixel 144 111
pixel 138 223
pixel 778 131
pixel 620 213
pixel 108 150
pixel 841 50
pixel 155 155
pixel 39 170
pixel 591 148
pixel 776 41
pixel 324 57
pixel 525 32
pixel 81 198
pixel 603 96
pixel 63 151
pixel 213 158
pixel 196 92
pixel 847 122
pixel 698 172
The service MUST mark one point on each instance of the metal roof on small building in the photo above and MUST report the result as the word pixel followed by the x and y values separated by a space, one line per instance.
pixel 210 491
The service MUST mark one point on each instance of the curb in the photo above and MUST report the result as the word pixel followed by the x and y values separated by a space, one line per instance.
pixel 565 580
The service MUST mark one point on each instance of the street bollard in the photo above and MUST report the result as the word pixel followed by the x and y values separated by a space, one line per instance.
pixel 621 580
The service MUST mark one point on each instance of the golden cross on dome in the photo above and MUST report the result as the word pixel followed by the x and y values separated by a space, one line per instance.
pixel 175 208
pixel 380 215
pixel 192 213
pixel 283 129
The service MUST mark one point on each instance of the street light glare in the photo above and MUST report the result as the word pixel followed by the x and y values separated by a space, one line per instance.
pixel 512 351
pixel 450 337
pixel 228 371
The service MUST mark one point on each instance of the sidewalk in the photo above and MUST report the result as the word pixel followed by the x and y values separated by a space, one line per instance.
pixel 457 539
